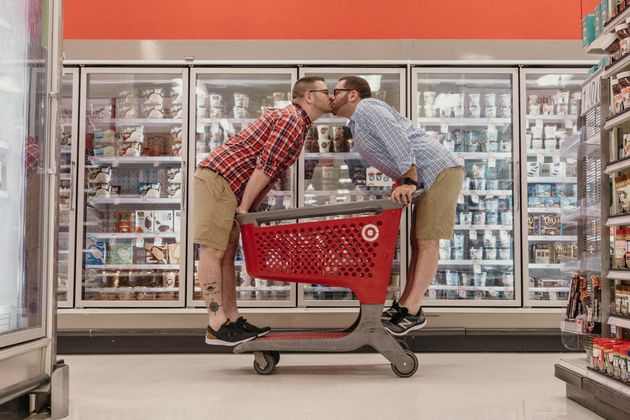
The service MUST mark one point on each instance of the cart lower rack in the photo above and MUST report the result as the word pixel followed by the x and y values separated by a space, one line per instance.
pixel 354 248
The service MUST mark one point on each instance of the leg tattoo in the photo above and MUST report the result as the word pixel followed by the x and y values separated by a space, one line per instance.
pixel 214 307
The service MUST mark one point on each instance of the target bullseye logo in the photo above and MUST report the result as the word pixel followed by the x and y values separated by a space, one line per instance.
pixel 370 232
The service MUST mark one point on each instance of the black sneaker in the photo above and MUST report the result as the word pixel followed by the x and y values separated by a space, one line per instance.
pixel 227 335
pixel 403 323
pixel 251 328
pixel 389 313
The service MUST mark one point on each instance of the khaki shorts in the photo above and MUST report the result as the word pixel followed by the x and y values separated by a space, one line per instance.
pixel 214 210
pixel 434 212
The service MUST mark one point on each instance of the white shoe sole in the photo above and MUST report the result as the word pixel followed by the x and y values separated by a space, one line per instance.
pixel 263 334
pixel 217 342
pixel 414 328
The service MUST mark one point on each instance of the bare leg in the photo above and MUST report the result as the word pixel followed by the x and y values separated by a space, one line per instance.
pixel 229 283
pixel 211 282
pixel 426 258
pixel 410 271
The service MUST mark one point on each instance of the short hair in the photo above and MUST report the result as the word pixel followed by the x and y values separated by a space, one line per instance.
pixel 305 84
pixel 359 84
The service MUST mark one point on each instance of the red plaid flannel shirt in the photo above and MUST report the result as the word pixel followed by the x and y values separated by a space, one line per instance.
pixel 272 144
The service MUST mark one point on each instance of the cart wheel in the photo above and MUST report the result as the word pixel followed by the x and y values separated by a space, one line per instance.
pixel 403 344
pixel 271 364
pixel 410 368
pixel 275 355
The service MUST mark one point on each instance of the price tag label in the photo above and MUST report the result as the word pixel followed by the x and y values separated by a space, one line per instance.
pixel 157 241
pixel 477 269
pixel 462 293
pixel 487 233
pixel 493 292
pixel 474 198
pixel 492 127
pixel 472 234
pixel 540 158
pixel 492 161
pixel 139 242
pixel 444 127
pixel 568 123
pixel 461 160
pixel 553 296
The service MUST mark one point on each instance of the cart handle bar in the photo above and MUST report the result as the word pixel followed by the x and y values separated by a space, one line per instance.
pixel 371 206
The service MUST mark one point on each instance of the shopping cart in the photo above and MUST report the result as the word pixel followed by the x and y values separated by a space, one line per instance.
pixel 355 251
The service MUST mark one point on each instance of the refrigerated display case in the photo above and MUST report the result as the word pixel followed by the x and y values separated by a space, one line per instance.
pixel 331 171
pixel 550 100
pixel 472 113
pixel 69 128
pixel 226 101
pixel 132 212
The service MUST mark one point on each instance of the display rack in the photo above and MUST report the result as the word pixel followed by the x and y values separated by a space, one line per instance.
pixel 596 381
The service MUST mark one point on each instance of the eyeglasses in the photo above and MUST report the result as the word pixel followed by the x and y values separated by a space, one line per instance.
pixel 325 91
pixel 337 91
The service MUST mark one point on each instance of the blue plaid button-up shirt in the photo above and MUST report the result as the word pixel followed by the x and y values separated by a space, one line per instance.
pixel 390 143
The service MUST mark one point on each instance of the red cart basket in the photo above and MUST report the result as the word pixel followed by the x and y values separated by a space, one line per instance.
pixel 353 251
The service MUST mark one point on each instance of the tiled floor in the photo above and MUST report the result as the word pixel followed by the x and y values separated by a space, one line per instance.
pixel 318 386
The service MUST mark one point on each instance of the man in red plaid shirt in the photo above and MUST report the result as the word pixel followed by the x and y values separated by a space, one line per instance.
pixel 234 179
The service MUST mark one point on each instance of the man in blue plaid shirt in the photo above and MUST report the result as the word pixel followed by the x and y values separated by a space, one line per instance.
pixel 391 143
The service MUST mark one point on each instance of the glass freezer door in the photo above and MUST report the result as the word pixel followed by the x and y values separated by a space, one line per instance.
pixel 67 186
pixel 471 112
pixel 132 187
pixel 550 101
pixel 225 102
pixel 333 172
pixel 23 165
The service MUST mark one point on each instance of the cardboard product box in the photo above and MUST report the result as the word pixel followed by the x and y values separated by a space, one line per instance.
pixel 533 224
pixel 149 189
pixel 144 221
pixel 120 253
pixel 124 221
pixel 163 221
pixel 604 12
pixel 588 29
pixel 542 254
pixel 550 225
pixel 95 251
pixel 156 254
pixel 174 251
pixel 177 220
pixel 598 20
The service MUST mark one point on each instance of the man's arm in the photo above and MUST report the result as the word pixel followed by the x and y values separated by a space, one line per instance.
pixel 256 188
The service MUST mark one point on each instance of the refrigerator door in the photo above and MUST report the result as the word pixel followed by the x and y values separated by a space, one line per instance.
pixel 471 111
pixel 24 164
pixel 69 127
pixel 132 187
pixel 550 100
pixel 332 172
pixel 226 101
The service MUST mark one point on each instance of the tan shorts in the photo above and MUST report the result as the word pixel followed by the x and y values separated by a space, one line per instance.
pixel 434 212
pixel 214 210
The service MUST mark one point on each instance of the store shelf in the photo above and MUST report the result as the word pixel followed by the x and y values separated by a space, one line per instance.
pixel 477 262
pixel 623 219
pixel 563 238
pixel 209 121
pixel 134 121
pixel 127 267
pixel 545 266
pixel 619 322
pixel 482 155
pixel 66 149
pixel 143 289
pixel 549 289
pixel 617 67
pixel 544 210
pixel 258 289
pixel 135 202
pixel 487 192
pixel 543 152
pixel 618 120
pixel 609 27
pixel 596 47
pixel 551 180
pixel 136 161
pixel 342 156
pixel 133 235
pixel 65 177
pixel 552 118
pixel 619 274
pixel 473 288
pixel 484 227
pixel 617 166
pixel 571 327
pixel 464 122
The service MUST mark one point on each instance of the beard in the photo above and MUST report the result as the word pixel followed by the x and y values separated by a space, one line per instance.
pixel 337 106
